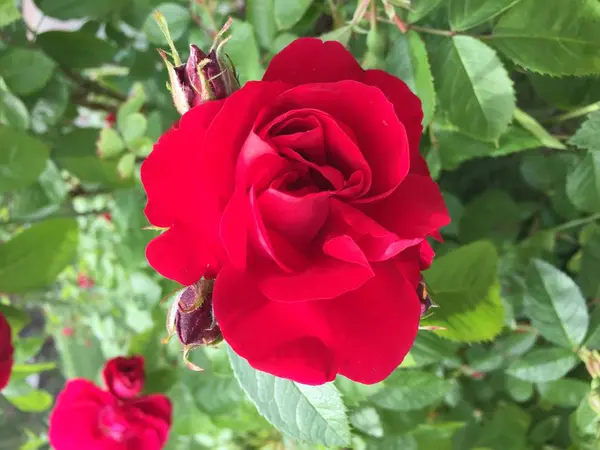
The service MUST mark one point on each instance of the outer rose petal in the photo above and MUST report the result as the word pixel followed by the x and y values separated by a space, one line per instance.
pixel 311 60
pixel 74 421
pixel 408 109
pixel 6 351
pixel 363 334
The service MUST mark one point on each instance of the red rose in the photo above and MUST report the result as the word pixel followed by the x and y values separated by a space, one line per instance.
pixel 124 377
pixel 6 352
pixel 307 197
pixel 85 282
pixel 86 417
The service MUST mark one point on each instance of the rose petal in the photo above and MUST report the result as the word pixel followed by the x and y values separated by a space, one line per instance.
pixel 367 112
pixel 310 60
pixel 414 210
pixel 408 109
pixel 310 342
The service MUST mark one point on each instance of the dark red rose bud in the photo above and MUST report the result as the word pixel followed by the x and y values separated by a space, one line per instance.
pixel 204 77
pixel 194 320
pixel 6 351
pixel 124 377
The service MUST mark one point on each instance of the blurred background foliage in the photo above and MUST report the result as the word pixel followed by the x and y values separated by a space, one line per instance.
pixel 510 92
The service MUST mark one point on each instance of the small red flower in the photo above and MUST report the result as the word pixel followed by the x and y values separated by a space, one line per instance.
pixel 85 282
pixel 6 351
pixel 106 216
pixel 306 195
pixel 110 119
pixel 124 377
pixel 87 417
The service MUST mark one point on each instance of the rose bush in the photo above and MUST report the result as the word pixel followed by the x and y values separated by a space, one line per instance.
pixel 6 351
pixel 306 196
pixel 86 416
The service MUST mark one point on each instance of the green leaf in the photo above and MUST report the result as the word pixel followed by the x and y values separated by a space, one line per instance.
pixel 22 159
pixel 552 36
pixel 464 286
pixel 34 258
pixel 430 348
pixel 408 60
pixel 110 143
pixel 534 127
pixel 566 92
pixel 407 390
pixel 132 105
pixel 25 71
pixel 367 421
pixel 465 14
pixel 134 127
pixel 420 8
pixel 288 14
pixel 218 394
pixel 68 9
pixel 541 365
pixel 177 17
pixel 313 414
pixel 492 215
pixel 567 392
pixel 22 371
pixel 50 105
pixel 76 49
pixel 456 147
pixel 243 51
pixel 519 390
pixel 473 87
pixel 261 15
pixel 544 430
pixel 26 398
pixel 547 172
pixel 583 183
pixel 76 152
pixel 341 34
pixel 8 12
pixel 515 344
pixel 126 165
pixel 80 354
pixel 588 135
pixel 555 305
pixel 592 340
pixel 13 111
pixel 506 430
pixel 16 318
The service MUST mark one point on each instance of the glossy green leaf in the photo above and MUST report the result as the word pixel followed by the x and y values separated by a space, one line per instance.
pixel 25 71
pixel 507 429
pixel 243 51
pixel 552 36
pixel 134 127
pixel 26 398
pixel 313 414
pixel 588 135
pixel 463 284
pixel 542 365
pixel 519 390
pixel 34 258
pixel 465 14
pixel 288 14
pixel 261 15
pixel 110 143
pixel 68 9
pixel 456 147
pixel 544 430
pixel 583 183
pixel 22 159
pixel 566 92
pixel 177 17
pixel 408 60
pixel 555 305
pixel 567 392
pixel 13 111
pixel 8 12
pixel 473 86
pixel 421 8
pixel 76 49
pixel 341 34
pixel 407 390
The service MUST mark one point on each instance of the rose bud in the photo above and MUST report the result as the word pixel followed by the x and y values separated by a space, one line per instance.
pixel 192 318
pixel 6 351
pixel 124 377
pixel 204 77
